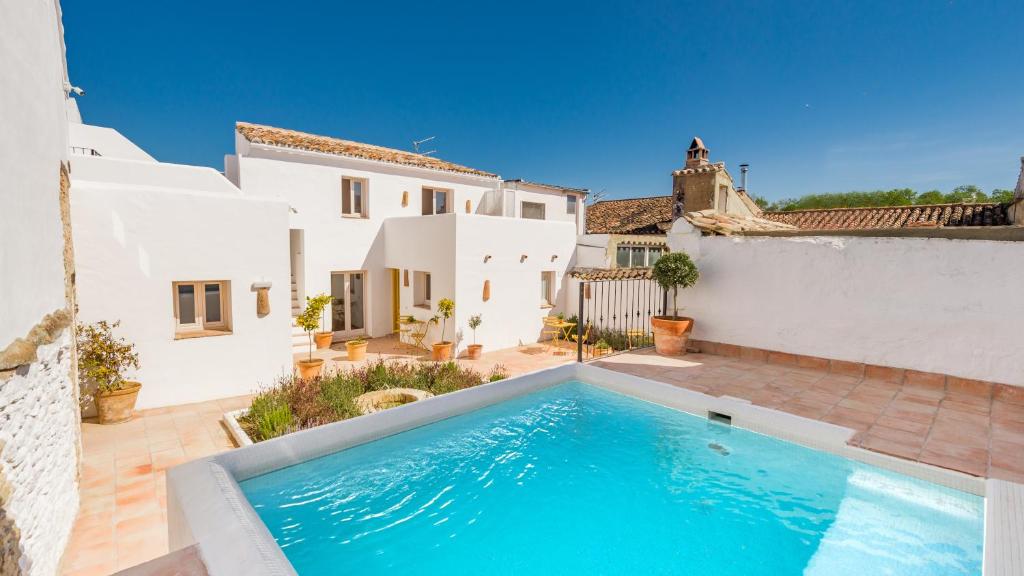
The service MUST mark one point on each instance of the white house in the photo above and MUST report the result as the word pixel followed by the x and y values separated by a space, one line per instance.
pixel 388 233
pixel 176 254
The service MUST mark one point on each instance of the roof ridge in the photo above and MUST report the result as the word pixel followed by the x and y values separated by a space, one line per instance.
pixel 893 207
pixel 634 198
pixel 240 126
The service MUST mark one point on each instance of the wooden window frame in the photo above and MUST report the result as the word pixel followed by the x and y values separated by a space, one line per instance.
pixel 348 197
pixel 428 195
pixel 201 327
pixel 548 300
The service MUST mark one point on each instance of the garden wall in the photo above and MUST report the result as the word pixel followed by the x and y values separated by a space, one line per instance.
pixel 936 305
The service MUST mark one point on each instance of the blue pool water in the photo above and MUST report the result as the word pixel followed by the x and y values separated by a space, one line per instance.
pixel 576 479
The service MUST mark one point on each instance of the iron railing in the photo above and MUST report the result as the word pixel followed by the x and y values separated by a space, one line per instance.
pixel 617 313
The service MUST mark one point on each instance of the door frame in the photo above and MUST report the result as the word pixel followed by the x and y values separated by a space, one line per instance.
pixel 349 333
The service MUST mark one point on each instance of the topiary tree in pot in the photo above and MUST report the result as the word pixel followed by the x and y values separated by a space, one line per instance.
pixel 443 350
pixel 474 350
pixel 320 302
pixel 671 272
pixel 309 321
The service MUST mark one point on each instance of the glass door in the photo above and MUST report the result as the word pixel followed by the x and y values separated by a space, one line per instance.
pixel 348 296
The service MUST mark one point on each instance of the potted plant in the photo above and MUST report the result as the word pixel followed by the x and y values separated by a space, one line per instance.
pixel 671 332
pixel 474 350
pixel 601 347
pixel 309 321
pixel 102 361
pixel 356 349
pixel 319 303
pixel 443 350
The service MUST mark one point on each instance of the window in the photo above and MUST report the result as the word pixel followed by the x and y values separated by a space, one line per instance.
pixel 723 198
pixel 570 204
pixel 532 210
pixel 627 256
pixel 353 198
pixel 201 308
pixel 421 289
pixel 547 289
pixel 436 201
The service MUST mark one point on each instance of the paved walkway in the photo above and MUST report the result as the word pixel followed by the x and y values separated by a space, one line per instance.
pixel 123 516
pixel 960 429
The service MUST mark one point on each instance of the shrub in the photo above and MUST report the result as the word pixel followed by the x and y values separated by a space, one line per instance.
pixel 102 358
pixel 295 404
pixel 672 271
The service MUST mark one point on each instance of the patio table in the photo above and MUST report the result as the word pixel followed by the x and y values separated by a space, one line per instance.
pixel 563 328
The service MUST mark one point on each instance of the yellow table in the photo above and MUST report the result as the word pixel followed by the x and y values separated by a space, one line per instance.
pixel 417 332
pixel 563 328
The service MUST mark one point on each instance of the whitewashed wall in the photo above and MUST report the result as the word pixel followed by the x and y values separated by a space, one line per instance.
pixel 32 113
pixel 513 314
pixel 39 425
pixel 311 185
pixel 139 227
pixel 938 305
pixel 555 204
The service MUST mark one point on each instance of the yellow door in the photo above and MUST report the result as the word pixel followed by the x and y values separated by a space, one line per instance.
pixel 394 299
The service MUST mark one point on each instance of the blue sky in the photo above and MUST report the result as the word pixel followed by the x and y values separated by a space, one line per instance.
pixel 816 96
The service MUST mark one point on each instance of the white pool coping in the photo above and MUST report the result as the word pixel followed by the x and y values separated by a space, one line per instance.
pixel 207 507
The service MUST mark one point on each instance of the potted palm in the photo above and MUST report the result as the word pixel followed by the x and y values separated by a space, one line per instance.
pixel 309 321
pixel 320 302
pixel 356 349
pixel 474 350
pixel 443 350
pixel 671 332
pixel 102 361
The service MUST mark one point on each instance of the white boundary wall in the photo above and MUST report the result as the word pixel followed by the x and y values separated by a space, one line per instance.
pixel 931 304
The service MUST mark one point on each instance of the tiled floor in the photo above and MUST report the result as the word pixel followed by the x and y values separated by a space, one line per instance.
pixel 958 429
pixel 123 517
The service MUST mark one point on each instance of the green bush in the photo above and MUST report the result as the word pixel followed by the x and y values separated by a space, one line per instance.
pixel 295 404
pixel 672 271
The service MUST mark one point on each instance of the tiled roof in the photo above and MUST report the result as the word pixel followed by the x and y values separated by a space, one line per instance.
pixel 590 274
pixel 552 186
pixel 891 217
pixel 728 224
pixel 258 134
pixel 711 167
pixel 649 215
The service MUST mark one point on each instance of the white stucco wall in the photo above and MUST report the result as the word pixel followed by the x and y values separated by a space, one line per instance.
pixel 32 113
pixel 453 248
pixel 135 236
pixel 311 185
pixel 938 305
pixel 555 204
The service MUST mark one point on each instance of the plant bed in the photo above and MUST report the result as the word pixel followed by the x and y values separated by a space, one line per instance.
pixel 294 404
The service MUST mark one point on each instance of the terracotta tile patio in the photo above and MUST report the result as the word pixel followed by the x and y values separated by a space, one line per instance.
pixel 954 425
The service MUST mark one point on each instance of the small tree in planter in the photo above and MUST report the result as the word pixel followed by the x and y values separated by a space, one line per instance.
pixel 443 349
pixel 474 350
pixel 320 302
pixel 309 321
pixel 102 362
pixel 673 271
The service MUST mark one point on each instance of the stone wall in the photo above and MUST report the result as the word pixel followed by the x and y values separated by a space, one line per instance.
pixel 39 431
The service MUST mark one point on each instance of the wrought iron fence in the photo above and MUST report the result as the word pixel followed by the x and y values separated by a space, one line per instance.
pixel 615 315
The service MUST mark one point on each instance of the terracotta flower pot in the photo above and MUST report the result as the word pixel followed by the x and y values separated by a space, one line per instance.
pixel 356 350
pixel 671 334
pixel 323 339
pixel 310 368
pixel 117 406
pixel 442 351
pixel 473 351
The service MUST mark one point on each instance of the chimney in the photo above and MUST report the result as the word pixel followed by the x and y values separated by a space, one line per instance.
pixel 744 168
pixel 1018 194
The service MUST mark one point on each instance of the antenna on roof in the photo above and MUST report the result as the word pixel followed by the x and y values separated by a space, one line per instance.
pixel 598 196
pixel 416 146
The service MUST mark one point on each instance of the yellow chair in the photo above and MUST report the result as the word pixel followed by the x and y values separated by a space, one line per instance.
pixel 551 328
pixel 586 338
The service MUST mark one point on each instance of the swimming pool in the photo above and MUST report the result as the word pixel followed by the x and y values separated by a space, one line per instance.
pixel 578 479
